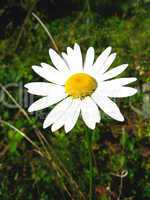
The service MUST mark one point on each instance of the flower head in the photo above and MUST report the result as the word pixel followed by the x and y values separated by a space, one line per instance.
pixel 79 87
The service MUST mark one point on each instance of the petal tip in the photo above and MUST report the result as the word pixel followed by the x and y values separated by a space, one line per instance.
pixel 114 54
pixel 53 128
pixel 109 48
pixel 45 126
pixel 35 67
pixel 135 91
pixel 67 130
pixel 51 51
pixel 93 127
pixel 76 46
pixel 43 64
pixel 122 119
pixel 30 109
pixel 26 86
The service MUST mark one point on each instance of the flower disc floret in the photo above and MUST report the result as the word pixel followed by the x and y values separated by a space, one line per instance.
pixel 80 85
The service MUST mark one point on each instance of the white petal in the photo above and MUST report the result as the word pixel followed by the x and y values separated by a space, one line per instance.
pixel 101 59
pixel 39 104
pixel 58 124
pixel 58 62
pixel 69 118
pixel 78 56
pixel 72 116
pixel 89 59
pixel 58 111
pixel 114 72
pixel 67 58
pixel 48 67
pixel 118 82
pixel 108 62
pixel 60 121
pixel 74 59
pixel 49 73
pixel 69 51
pixel 47 101
pixel 43 89
pixel 108 106
pixel 90 112
pixel 117 91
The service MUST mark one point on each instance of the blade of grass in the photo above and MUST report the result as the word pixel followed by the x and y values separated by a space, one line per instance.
pixel 15 102
pixel 20 132
pixel 37 148
pixel 50 153
pixel 46 30
pixel 24 23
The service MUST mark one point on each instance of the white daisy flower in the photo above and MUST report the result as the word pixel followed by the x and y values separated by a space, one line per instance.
pixel 79 87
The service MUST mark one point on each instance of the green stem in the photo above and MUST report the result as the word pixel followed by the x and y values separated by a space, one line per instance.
pixel 89 136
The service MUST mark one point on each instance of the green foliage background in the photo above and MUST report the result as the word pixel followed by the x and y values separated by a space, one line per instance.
pixel 124 25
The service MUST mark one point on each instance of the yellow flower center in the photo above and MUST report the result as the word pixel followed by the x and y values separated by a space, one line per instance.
pixel 80 85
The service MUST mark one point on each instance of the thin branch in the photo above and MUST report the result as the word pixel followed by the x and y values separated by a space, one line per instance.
pixel 24 23
pixel 43 141
pixel 15 102
pixel 121 175
pixel 37 149
pixel 20 132
pixel 46 30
